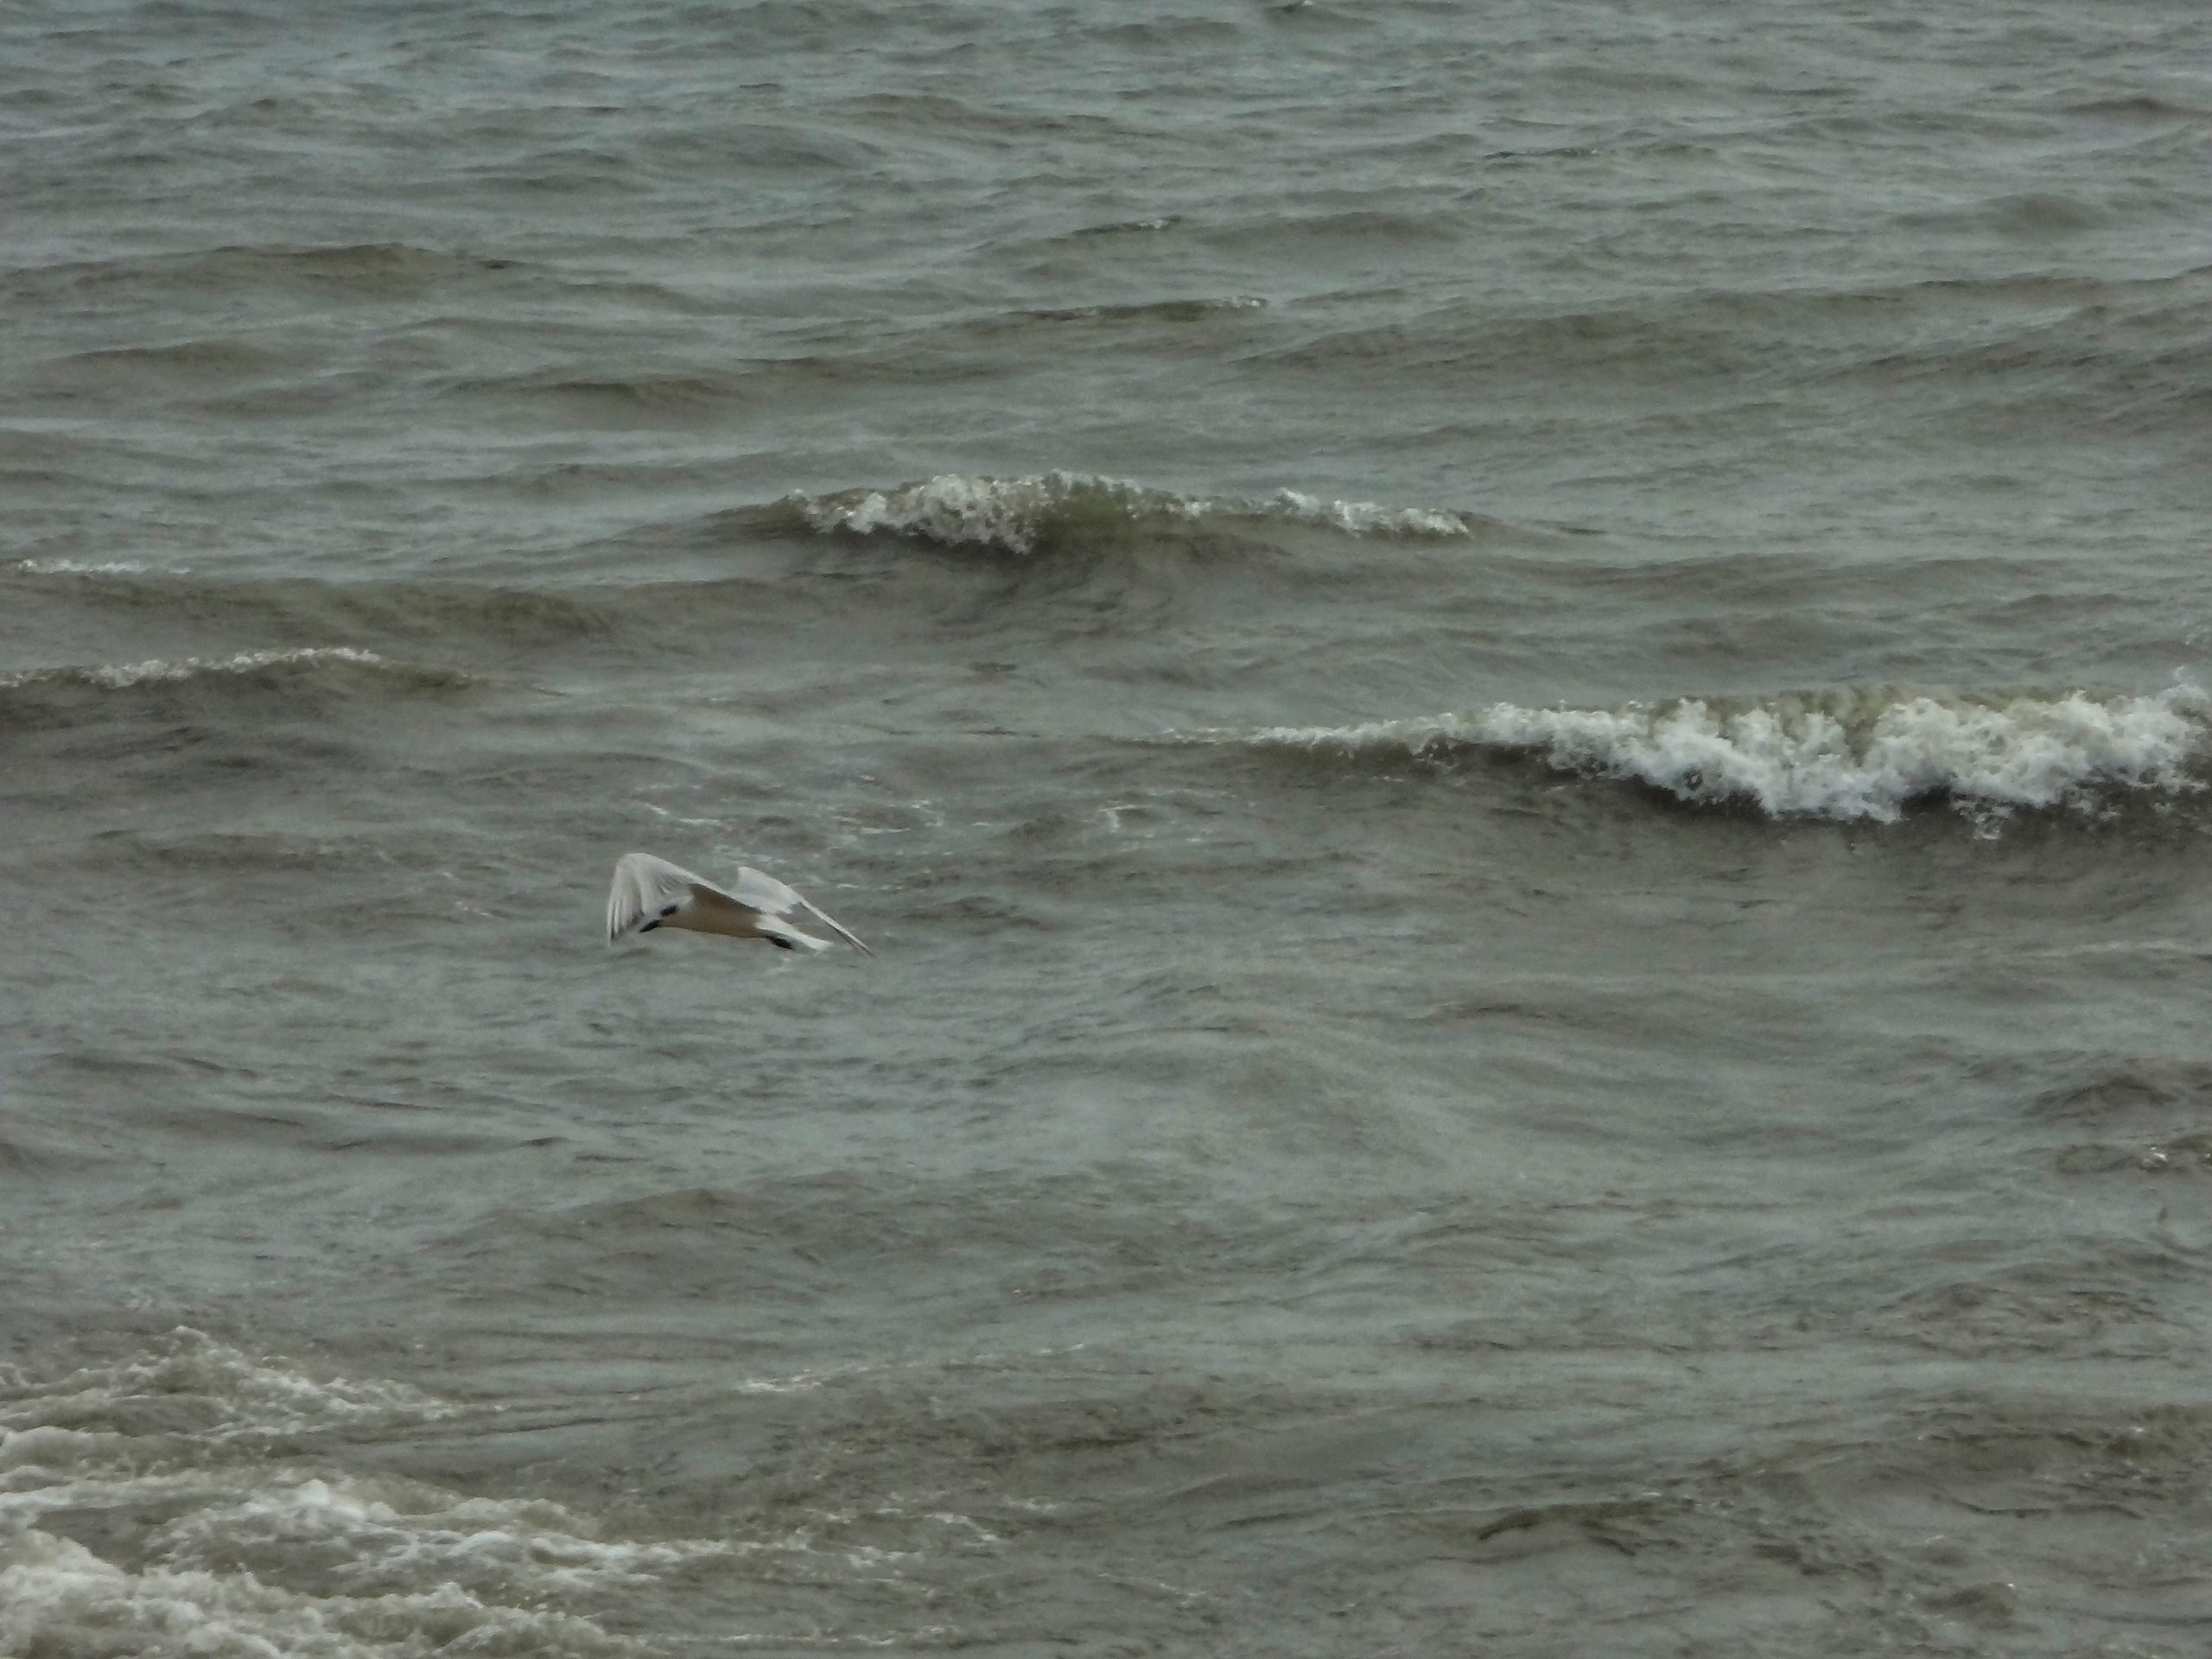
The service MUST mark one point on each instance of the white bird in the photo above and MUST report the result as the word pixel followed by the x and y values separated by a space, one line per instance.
pixel 650 892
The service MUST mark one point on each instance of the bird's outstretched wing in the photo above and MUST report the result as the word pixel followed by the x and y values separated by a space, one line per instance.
pixel 764 892
pixel 645 889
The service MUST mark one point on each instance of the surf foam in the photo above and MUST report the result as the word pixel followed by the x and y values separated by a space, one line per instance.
pixel 1848 754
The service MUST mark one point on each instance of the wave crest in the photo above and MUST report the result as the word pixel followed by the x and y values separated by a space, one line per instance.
pixel 1850 753
pixel 90 568
pixel 273 665
pixel 42 697
pixel 1025 515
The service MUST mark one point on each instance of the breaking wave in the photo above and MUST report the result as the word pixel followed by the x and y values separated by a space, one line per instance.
pixel 1849 753
pixel 1029 515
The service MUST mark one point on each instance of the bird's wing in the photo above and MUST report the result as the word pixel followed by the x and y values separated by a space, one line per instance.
pixel 643 887
pixel 765 893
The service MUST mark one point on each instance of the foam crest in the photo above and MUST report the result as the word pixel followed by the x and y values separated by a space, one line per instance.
pixel 1018 515
pixel 1846 755
pixel 1364 517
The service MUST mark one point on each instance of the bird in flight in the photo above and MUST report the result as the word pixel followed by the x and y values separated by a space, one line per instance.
pixel 650 892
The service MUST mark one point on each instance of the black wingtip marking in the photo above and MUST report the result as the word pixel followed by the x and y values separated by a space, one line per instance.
pixel 781 944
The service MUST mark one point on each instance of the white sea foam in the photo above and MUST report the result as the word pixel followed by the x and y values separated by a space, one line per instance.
pixel 1012 514
pixel 1853 753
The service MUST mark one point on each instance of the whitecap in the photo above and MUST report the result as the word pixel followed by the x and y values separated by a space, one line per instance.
pixel 1846 755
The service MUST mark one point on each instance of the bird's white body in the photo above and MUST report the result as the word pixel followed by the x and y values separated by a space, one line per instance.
pixel 650 892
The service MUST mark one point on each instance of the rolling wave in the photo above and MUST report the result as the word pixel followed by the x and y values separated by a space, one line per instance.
pixel 296 605
pixel 29 695
pixel 1849 753
pixel 1036 514
pixel 371 268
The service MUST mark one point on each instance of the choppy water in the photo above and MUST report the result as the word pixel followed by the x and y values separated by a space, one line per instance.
pixel 1512 693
